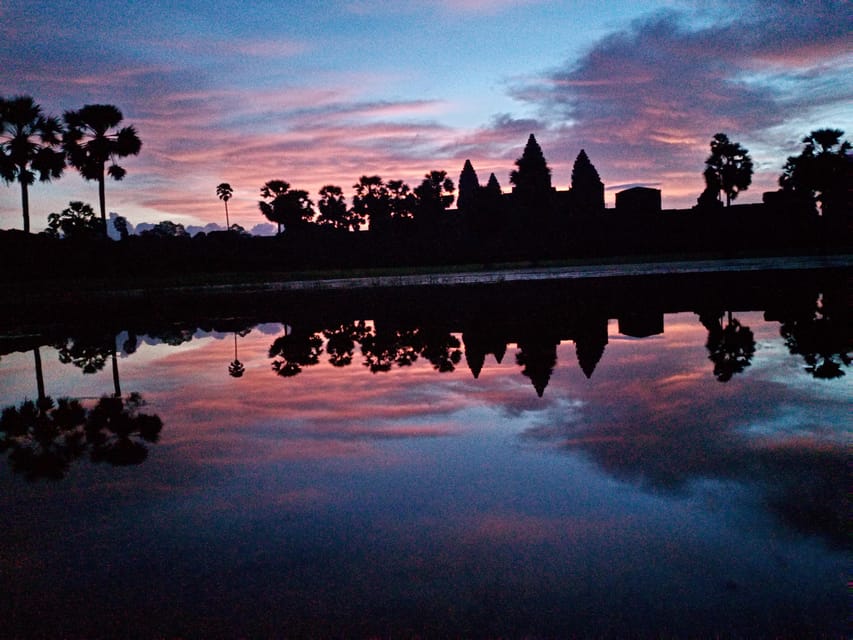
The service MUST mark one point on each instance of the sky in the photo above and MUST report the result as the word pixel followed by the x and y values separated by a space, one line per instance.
pixel 325 92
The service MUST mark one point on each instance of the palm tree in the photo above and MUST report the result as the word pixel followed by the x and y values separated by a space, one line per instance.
pixel 224 191
pixel 91 139
pixel 28 145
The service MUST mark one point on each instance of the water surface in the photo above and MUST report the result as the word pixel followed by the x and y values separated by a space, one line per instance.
pixel 555 466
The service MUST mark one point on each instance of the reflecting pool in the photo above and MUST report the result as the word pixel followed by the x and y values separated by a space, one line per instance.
pixel 659 458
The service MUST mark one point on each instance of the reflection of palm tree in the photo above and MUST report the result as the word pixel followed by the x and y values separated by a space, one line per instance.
pixel 820 338
pixel 383 348
pixel 441 349
pixel 43 437
pixel 340 342
pixel 39 374
pixel 116 384
pixel 296 350
pixel 90 355
pixel 115 429
pixel 236 368
pixel 730 346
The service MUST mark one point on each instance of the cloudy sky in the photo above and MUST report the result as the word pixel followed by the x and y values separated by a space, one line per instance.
pixel 324 92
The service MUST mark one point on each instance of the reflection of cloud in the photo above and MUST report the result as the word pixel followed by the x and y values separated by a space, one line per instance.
pixel 669 427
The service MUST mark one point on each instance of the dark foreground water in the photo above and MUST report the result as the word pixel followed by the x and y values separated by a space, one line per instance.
pixel 556 464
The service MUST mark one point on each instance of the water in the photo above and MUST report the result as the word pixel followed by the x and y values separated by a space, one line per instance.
pixel 351 476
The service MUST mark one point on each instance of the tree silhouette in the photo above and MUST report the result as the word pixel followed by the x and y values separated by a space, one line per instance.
pixel 88 354
pixel 333 210
pixel 372 202
pixel 236 368
pixel 821 171
pixel 76 221
pixel 289 207
pixel 441 349
pixel 402 201
pixel 91 140
pixel 532 178
pixel 587 188
pixel 434 194
pixel 728 169
pixel 385 346
pixel 166 229
pixel 29 143
pixel 294 350
pixel 120 224
pixel 820 336
pixel 730 345
pixel 340 342
pixel 43 438
pixel 224 191
pixel 274 191
pixel 116 430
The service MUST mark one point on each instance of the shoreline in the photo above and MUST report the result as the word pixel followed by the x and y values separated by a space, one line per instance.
pixel 32 293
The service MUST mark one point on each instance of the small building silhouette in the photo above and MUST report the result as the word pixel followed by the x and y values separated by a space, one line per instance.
pixel 638 200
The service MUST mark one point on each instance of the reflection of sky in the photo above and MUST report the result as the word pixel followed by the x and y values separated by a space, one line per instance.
pixel 648 490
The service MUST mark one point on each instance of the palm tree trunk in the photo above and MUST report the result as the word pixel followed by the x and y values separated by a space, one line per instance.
pixel 102 198
pixel 227 223
pixel 116 383
pixel 25 204
pixel 39 374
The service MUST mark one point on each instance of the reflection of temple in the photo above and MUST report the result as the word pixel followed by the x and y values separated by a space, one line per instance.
pixel 411 323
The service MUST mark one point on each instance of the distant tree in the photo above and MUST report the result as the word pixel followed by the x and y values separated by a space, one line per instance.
pixel 120 224
pixel 469 186
pixel 401 200
pixel 29 145
pixel 333 209
pixel 587 188
pixel 289 207
pixel 434 195
pixel 821 171
pixel 728 168
pixel 76 221
pixel 532 178
pixel 224 191
pixel 372 202
pixel 91 140
pixel 166 229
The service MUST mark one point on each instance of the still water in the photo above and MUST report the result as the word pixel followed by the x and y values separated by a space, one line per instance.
pixel 556 465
